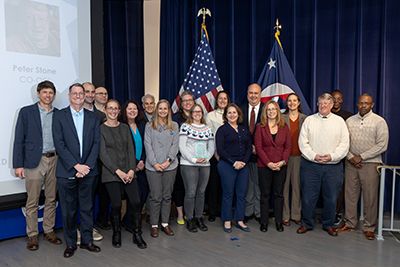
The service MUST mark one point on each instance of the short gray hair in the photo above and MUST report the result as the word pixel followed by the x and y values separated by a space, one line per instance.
pixel 325 96
pixel 148 96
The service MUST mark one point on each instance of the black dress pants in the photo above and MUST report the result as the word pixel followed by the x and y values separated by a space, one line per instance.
pixel 271 181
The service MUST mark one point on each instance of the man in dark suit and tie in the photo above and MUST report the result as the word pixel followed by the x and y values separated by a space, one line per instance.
pixel 34 160
pixel 76 135
pixel 251 116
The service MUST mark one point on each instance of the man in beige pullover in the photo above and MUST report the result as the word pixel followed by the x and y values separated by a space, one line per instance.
pixel 369 137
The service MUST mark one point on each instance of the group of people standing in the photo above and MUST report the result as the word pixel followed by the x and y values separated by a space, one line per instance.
pixel 233 160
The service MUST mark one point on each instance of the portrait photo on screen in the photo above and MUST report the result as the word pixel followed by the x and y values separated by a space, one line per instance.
pixel 36 32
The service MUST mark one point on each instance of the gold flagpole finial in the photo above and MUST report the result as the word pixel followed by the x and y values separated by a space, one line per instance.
pixel 204 12
pixel 278 28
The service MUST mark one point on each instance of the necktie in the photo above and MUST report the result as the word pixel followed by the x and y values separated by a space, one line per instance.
pixel 252 121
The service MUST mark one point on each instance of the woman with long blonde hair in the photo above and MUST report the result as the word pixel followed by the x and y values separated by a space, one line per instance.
pixel 161 144
pixel 272 142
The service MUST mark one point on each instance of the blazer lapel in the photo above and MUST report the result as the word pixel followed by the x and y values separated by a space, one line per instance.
pixel 70 121
pixel 36 116
pixel 270 136
pixel 86 126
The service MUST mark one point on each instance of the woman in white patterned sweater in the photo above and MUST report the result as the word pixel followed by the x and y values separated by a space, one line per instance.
pixel 196 145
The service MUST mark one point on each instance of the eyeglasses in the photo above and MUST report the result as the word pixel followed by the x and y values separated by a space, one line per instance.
pixel 102 94
pixel 77 94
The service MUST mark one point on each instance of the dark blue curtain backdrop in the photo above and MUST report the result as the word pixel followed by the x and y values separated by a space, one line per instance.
pixel 124 49
pixel 352 45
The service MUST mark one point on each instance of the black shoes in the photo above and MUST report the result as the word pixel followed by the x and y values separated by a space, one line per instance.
pixel 69 252
pixel 279 227
pixel 116 235
pixel 138 239
pixel 264 227
pixel 201 225
pixel 191 225
pixel 90 247
pixel 243 228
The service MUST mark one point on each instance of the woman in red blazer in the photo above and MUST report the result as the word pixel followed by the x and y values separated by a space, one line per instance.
pixel 272 142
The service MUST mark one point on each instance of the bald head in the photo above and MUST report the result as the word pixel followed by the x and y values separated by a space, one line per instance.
pixel 254 94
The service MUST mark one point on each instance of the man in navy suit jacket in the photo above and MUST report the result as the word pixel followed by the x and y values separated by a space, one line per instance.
pixel 77 139
pixel 34 160
pixel 253 190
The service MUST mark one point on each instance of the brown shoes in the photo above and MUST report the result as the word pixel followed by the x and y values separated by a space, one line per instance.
pixel 331 231
pixel 52 238
pixel 369 235
pixel 302 230
pixel 32 243
pixel 345 228
pixel 154 232
pixel 167 230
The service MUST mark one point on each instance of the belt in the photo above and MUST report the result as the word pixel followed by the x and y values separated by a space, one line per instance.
pixel 49 154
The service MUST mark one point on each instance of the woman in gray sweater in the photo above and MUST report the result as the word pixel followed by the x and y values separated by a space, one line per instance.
pixel 161 145
pixel 118 175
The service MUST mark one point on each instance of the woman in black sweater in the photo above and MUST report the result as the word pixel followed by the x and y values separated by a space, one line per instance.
pixel 118 171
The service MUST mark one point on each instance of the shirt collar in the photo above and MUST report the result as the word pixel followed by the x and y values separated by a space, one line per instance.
pixel 42 109
pixel 325 117
pixel 220 110
pixel 256 107
pixel 76 113
pixel 365 116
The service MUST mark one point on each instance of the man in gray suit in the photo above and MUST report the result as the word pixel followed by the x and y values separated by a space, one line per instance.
pixel 251 116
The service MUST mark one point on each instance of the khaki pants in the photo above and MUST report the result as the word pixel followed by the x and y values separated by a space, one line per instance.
pixel 366 180
pixel 292 209
pixel 44 174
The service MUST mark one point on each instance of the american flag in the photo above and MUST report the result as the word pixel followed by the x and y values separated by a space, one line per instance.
pixel 202 78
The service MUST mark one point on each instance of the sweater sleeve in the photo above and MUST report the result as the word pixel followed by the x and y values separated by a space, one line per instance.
pixel 183 148
pixel 343 148
pixel 173 151
pixel 381 144
pixel 150 156
pixel 210 147
pixel 105 158
pixel 304 142
pixel 220 143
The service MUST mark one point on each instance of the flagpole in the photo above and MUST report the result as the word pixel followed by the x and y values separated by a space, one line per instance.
pixel 277 28
pixel 204 12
